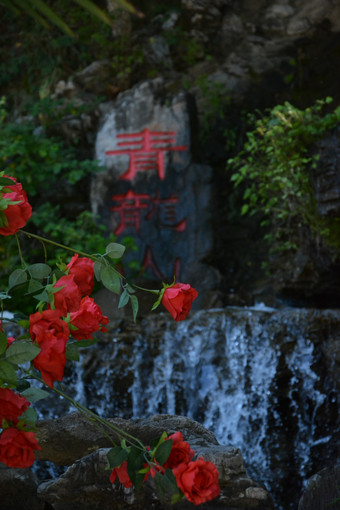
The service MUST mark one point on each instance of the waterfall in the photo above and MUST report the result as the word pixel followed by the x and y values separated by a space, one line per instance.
pixel 256 377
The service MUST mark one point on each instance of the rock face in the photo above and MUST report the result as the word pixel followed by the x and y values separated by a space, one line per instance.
pixel 18 489
pixel 232 57
pixel 85 484
pixel 153 191
pixel 322 491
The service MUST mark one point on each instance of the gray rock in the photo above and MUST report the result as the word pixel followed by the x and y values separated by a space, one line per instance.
pixel 164 207
pixel 85 484
pixel 322 491
pixel 18 489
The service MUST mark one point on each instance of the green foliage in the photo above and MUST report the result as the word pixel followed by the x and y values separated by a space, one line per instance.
pixel 186 51
pixel 44 15
pixel 82 233
pixel 32 60
pixel 275 168
pixel 37 159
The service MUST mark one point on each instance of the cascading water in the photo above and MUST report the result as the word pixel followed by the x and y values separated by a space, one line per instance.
pixel 255 377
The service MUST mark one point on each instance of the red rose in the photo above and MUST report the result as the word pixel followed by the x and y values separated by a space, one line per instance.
pixel 82 269
pixel 16 448
pixel 12 405
pixel 46 325
pixel 51 361
pixel 10 340
pixel 17 215
pixel 198 480
pixel 67 299
pixel 178 300
pixel 180 451
pixel 88 319
pixel 51 334
pixel 122 474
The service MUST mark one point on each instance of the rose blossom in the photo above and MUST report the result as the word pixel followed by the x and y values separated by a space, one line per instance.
pixel 10 339
pixel 17 214
pixel 122 474
pixel 16 448
pixel 67 299
pixel 198 480
pixel 180 451
pixel 178 300
pixel 82 269
pixel 12 405
pixel 51 334
pixel 88 319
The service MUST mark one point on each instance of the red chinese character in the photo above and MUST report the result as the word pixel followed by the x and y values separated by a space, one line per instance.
pixel 150 263
pixel 166 206
pixel 130 208
pixel 146 151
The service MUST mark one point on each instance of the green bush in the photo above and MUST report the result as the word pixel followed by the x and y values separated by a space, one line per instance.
pixel 49 169
pixel 275 168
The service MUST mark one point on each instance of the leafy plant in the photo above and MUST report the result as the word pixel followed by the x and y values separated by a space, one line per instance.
pixel 26 151
pixel 275 169
pixel 44 15
pixel 51 170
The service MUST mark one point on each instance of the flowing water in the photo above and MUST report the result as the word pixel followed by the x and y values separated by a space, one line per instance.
pixel 258 378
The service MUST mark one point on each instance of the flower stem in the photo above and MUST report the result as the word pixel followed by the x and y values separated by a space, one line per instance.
pixel 45 240
pixel 20 252
pixel 95 419
pixel 68 248
pixel 146 290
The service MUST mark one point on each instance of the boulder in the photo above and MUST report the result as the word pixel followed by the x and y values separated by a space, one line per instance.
pixel 85 484
pixel 322 491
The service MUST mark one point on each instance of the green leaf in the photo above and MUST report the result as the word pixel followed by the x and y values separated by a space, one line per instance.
pixel 93 9
pixel 3 342
pixel 115 250
pixel 159 299
pixel 124 299
pixel 52 16
pixel 30 417
pixel 4 181
pixel 8 373
pixel 18 277
pixel 32 12
pixel 163 451
pixel 23 323
pixel 110 279
pixel 34 394
pixel 33 287
pixel 166 485
pixel 72 352
pixel 135 462
pixel 86 343
pixel 20 352
pixel 98 267
pixel 43 296
pixel 116 456
pixel 245 209
pixel 39 271
pixel 134 304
